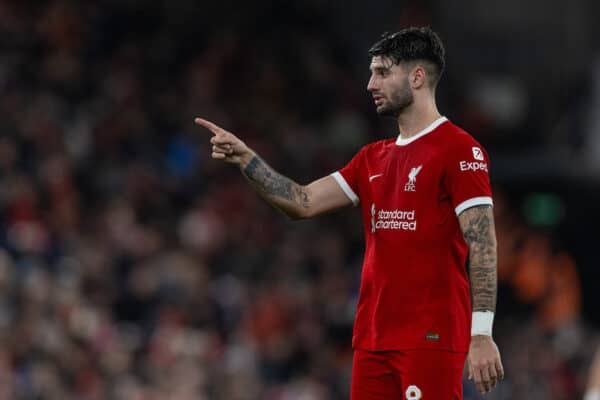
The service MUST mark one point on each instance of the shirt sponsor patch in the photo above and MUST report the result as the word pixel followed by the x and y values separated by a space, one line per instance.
pixel 473 166
pixel 477 153
pixel 392 219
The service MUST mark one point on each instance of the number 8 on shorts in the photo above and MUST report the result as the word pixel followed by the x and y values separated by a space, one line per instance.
pixel 413 393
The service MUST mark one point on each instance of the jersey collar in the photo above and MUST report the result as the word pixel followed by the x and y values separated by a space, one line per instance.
pixel 434 124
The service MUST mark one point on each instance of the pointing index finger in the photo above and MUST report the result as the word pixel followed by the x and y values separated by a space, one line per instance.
pixel 207 124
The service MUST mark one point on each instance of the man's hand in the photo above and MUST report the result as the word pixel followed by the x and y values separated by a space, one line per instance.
pixel 296 201
pixel 227 146
pixel 485 367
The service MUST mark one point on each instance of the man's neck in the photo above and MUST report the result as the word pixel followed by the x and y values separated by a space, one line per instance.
pixel 415 119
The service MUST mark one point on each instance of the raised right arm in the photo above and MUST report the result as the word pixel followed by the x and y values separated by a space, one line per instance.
pixel 295 200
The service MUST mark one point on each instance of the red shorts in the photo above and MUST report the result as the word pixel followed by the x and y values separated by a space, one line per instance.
pixel 407 375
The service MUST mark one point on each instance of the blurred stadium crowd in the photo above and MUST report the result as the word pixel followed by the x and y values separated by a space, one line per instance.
pixel 133 267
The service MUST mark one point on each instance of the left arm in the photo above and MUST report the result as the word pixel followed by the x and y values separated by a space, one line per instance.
pixel 477 225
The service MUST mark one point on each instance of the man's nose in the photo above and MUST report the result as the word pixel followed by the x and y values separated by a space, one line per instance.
pixel 371 85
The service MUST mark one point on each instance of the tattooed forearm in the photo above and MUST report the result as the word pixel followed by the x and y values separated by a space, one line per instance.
pixel 267 180
pixel 274 186
pixel 477 224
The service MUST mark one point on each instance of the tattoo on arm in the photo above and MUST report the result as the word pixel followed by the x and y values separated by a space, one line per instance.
pixel 273 184
pixel 477 224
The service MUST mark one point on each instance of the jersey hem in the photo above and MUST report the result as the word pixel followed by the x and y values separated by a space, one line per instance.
pixel 339 178
pixel 475 201
pixel 410 348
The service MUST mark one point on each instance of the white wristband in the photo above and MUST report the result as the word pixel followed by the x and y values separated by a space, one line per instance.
pixel 592 394
pixel 482 323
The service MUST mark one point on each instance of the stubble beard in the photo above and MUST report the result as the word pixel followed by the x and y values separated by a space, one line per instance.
pixel 399 101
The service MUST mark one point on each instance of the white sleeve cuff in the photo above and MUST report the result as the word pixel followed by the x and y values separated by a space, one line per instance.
pixel 346 188
pixel 475 201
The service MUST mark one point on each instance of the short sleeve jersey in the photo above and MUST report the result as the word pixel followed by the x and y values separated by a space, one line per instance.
pixel 414 290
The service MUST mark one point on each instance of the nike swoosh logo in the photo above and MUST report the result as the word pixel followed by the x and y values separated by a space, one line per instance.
pixel 374 176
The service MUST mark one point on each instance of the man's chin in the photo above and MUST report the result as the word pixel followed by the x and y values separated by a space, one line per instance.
pixel 387 112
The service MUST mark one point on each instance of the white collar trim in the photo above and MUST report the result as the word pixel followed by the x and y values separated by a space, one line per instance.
pixel 434 124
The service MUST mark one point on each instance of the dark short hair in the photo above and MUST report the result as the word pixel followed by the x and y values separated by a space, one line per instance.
pixel 413 44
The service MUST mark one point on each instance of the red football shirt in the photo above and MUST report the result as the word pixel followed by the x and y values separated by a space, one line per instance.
pixel 415 291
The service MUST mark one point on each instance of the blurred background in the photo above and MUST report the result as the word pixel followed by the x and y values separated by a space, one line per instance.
pixel 132 266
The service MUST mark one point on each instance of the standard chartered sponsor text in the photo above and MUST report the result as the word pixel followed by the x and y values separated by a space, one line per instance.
pixel 396 220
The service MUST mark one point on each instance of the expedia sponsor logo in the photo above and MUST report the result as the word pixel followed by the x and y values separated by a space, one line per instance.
pixel 392 220
pixel 473 166
pixel 477 153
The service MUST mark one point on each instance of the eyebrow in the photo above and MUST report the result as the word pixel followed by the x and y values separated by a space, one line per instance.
pixel 378 68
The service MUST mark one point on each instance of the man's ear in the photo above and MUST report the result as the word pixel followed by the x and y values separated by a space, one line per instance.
pixel 418 77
